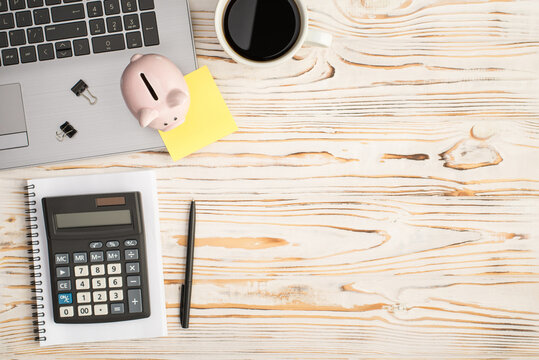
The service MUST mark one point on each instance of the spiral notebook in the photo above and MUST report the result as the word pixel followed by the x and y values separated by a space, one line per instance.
pixel 49 332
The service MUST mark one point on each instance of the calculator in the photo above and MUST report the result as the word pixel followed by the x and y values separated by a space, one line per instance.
pixel 97 257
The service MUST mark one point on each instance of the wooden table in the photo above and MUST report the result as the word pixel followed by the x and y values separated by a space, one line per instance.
pixel 380 199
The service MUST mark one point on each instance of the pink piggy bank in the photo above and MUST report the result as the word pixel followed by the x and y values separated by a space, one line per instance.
pixel 155 92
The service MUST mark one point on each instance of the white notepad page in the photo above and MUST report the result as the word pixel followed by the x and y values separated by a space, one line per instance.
pixel 141 181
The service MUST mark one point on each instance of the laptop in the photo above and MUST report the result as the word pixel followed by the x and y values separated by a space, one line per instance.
pixel 48 46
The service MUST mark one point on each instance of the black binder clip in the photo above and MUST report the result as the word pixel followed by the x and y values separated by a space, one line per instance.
pixel 66 130
pixel 80 88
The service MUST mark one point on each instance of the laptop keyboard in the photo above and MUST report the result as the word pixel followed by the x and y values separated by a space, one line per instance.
pixel 41 30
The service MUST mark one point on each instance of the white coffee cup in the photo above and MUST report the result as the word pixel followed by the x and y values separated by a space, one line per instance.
pixel 310 37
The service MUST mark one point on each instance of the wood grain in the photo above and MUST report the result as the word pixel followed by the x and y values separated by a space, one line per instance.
pixel 380 200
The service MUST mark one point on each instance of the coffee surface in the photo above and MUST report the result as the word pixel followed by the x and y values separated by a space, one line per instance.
pixel 261 30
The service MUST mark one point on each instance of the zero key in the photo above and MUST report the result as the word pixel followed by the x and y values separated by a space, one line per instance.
pixel 108 43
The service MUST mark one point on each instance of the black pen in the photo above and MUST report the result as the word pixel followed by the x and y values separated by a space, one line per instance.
pixel 185 304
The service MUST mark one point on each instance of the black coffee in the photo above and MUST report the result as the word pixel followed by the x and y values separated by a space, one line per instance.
pixel 261 30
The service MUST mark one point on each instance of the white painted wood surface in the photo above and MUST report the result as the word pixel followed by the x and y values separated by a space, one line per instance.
pixel 380 199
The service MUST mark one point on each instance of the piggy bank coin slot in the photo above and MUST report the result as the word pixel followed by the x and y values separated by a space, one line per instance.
pixel 149 86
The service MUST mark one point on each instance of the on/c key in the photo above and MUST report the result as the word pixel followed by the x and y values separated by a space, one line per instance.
pixel 108 43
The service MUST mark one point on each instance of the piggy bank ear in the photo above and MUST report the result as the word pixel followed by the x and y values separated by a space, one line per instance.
pixel 146 116
pixel 176 98
pixel 135 57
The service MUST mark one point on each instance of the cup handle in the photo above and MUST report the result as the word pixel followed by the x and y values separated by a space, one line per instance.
pixel 318 38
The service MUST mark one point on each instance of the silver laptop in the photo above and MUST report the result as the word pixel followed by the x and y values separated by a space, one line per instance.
pixel 48 46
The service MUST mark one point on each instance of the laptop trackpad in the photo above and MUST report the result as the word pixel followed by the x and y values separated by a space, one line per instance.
pixel 12 121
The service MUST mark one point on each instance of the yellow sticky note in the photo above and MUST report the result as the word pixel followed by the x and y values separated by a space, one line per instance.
pixel 207 120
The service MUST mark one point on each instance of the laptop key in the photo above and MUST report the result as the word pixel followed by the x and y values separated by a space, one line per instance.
pixel 112 7
pixel 17 4
pixel 3 39
pixel 94 9
pixel 131 22
pixel 134 39
pixel 6 21
pixel 35 35
pixel 66 31
pixel 35 3
pixel 23 18
pixel 149 28
pixel 81 47
pixel 108 43
pixel 145 4
pixel 53 2
pixel 97 26
pixel 63 53
pixel 62 45
pixel 63 49
pixel 41 16
pixel 10 57
pixel 17 37
pixel 45 52
pixel 28 54
pixel 67 12
pixel 3 5
pixel 129 6
pixel 114 24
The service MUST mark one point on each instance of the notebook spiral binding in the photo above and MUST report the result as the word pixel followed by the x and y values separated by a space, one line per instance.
pixel 34 257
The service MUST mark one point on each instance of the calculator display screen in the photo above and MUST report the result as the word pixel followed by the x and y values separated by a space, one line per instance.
pixel 93 218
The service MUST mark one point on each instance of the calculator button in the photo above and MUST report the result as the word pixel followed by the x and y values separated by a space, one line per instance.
pixel 115 282
pixel 130 242
pixel 96 256
pixel 62 272
pixel 81 270
pixel 85 310
pixel 96 245
pixel 133 281
pixel 113 255
pixel 98 270
pixel 132 268
pixel 79 258
pixel 66 311
pixel 116 295
pixel 64 299
pixel 82 284
pixel 117 308
pixel 83 297
pixel 112 244
pixel 101 309
pixel 64 285
pixel 99 283
pixel 131 254
pixel 60 259
pixel 135 300
pixel 100 296
pixel 114 268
